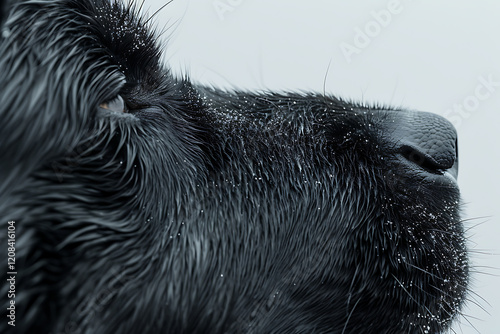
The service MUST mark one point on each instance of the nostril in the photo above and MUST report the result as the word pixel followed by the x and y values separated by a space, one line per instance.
pixel 421 159
pixel 426 140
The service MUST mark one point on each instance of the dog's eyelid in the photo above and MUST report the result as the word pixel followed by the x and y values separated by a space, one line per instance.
pixel 116 104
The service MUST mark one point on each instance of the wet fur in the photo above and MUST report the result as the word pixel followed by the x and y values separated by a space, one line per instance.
pixel 203 211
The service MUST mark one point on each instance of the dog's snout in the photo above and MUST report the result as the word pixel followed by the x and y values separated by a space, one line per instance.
pixel 425 139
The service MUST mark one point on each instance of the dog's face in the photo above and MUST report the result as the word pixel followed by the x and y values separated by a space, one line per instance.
pixel 145 203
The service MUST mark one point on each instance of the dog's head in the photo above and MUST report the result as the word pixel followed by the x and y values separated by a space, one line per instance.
pixel 143 202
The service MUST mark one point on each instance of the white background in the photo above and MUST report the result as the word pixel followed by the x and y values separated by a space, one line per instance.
pixel 428 55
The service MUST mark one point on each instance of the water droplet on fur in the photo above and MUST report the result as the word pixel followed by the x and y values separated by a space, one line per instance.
pixel 6 33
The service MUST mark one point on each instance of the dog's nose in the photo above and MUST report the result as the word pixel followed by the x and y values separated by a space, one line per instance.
pixel 428 140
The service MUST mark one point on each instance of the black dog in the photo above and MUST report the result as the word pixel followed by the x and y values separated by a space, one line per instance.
pixel 132 201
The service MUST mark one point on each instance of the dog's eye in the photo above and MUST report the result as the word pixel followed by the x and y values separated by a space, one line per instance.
pixel 117 105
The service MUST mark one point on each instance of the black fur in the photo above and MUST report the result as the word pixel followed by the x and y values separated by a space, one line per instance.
pixel 203 211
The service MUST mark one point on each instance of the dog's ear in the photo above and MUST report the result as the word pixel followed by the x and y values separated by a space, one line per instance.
pixel 40 102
